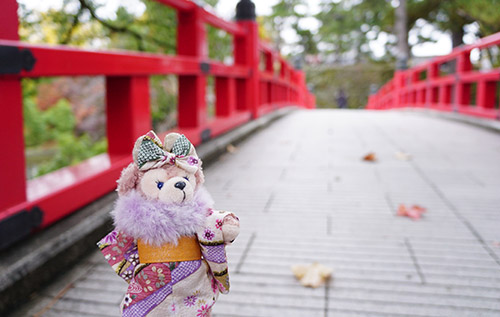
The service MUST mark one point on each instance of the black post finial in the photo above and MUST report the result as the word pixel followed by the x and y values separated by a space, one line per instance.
pixel 245 10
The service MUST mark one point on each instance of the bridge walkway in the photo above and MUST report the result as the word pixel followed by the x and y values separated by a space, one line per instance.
pixel 304 194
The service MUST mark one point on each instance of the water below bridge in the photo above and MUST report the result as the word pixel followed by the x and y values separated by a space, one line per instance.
pixel 304 194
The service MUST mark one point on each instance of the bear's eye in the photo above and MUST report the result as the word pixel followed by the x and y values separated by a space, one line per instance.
pixel 159 184
pixel 186 178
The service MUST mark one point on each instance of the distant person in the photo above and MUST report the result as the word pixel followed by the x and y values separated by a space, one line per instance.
pixel 341 99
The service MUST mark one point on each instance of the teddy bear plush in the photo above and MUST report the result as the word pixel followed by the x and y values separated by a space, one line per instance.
pixel 168 243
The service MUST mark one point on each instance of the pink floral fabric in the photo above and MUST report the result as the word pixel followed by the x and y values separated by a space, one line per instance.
pixel 187 288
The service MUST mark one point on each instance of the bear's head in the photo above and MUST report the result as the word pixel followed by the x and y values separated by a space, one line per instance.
pixel 160 194
pixel 169 173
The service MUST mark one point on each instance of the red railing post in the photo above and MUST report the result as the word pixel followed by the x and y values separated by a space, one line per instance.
pixel 286 77
pixel 302 90
pixel 269 85
pixel 486 91
pixel 12 160
pixel 398 88
pixel 225 96
pixel 127 113
pixel 246 52
pixel 432 91
pixel 462 89
pixel 192 41
pixel 282 92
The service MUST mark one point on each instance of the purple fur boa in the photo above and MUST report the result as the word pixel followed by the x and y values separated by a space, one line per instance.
pixel 156 222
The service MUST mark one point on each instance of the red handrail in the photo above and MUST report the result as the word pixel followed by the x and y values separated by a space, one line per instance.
pixel 243 92
pixel 453 92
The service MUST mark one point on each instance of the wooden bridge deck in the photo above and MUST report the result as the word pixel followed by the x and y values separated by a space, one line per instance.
pixel 303 194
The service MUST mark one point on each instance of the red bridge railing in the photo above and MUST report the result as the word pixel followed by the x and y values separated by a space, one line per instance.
pixel 243 92
pixel 447 83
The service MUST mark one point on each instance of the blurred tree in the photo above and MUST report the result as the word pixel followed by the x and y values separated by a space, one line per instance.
pixel 401 24
pixel 307 40
pixel 443 15
pixel 355 80
pixel 285 14
pixel 484 12
pixel 348 26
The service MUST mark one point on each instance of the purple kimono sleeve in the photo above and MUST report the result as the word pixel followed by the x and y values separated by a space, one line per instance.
pixel 215 255
pixel 120 251
pixel 213 248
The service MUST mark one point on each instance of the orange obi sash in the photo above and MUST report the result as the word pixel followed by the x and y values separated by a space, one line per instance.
pixel 187 249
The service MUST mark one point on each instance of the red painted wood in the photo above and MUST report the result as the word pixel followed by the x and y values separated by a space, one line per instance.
pixel 242 91
pixel 219 23
pixel 486 91
pixel 452 92
pixel 220 125
pixel 127 113
pixel 86 62
pixel 9 20
pixel 12 160
pixel 269 61
pixel 181 5
pixel 81 191
pixel 192 41
pixel 246 52
pixel 225 96
pixel 63 61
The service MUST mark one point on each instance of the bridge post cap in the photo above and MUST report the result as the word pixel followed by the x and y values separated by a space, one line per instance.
pixel 245 10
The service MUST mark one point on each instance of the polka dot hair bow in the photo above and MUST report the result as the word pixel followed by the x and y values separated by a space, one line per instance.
pixel 150 153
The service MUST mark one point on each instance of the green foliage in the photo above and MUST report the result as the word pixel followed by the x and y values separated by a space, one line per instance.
pixel 348 26
pixel 220 44
pixel 285 14
pixel 34 125
pixel 59 119
pixel 154 31
pixel 163 102
pixel 161 21
pixel 72 149
pixel 50 135
pixel 355 80
pixel 485 12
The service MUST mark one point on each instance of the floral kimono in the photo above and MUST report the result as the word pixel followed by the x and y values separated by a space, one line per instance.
pixel 180 288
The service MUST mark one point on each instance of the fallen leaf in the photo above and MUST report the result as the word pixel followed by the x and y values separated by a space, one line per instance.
pixel 231 149
pixel 312 275
pixel 370 157
pixel 402 156
pixel 414 212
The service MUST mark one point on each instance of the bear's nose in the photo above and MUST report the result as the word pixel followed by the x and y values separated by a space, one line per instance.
pixel 180 185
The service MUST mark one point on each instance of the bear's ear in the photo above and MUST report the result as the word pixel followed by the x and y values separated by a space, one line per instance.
pixel 128 179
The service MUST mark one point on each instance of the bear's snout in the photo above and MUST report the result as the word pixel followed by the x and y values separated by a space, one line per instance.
pixel 170 185
pixel 176 190
pixel 180 185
